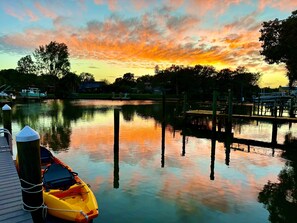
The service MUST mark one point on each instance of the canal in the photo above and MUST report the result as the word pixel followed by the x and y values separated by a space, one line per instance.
pixel 166 176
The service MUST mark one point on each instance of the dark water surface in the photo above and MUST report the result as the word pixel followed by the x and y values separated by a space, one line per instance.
pixel 189 179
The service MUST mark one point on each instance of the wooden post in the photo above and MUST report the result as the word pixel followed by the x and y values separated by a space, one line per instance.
pixel 229 107
pixel 6 110
pixel 116 167
pixel 228 130
pixel 292 108
pixel 28 147
pixel 259 105
pixel 275 109
pixel 185 105
pixel 214 110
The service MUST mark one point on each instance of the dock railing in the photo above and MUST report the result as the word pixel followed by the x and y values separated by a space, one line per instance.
pixel 8 137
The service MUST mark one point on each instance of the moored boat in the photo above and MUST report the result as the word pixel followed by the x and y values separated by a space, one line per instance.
pixel 32 93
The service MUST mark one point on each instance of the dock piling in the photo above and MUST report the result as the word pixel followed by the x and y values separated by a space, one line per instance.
pixel 6 110
pixel 214 110
pixel 28 147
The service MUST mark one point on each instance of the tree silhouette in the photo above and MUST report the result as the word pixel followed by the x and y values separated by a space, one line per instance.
pixel 279 44
pixel 26 65
pixel 52 59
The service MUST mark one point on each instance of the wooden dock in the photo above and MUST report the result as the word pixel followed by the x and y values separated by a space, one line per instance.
pixel 11 205
pixel 208 113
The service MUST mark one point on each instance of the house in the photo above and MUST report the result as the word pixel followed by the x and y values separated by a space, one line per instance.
pixel 91 86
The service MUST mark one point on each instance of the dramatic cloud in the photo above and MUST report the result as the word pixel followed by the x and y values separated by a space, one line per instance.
pixel 139 34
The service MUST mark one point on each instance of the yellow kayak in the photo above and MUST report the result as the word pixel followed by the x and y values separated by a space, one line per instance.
pixel 65 195
pixel 66 198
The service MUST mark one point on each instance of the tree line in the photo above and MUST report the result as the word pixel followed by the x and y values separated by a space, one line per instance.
pixel 49 69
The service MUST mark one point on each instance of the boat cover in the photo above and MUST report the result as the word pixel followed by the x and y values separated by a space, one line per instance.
pixel 57 176
pixel 45 155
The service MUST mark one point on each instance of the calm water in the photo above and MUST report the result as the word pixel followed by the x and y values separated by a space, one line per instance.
pixel 145 182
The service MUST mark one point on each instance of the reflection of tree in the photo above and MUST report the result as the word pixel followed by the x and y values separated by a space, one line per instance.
pixel 280 198
pixel 128 112
pixel 57 137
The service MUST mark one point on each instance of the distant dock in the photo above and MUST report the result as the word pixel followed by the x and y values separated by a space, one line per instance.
pixel 208 113
pixel 11 205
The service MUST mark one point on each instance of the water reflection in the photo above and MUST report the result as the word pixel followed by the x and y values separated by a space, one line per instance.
pixel 200 178
pixel 280 198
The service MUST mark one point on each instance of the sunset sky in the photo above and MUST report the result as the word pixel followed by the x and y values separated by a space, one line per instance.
pixel 111 38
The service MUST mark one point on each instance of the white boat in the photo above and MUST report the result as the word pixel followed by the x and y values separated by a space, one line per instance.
pixel 6 97
pixel 32 93
pixel 271 97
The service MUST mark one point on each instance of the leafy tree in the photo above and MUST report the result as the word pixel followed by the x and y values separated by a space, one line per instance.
pixel 67 85
pixel 17 80
pixel 144 83
pixel 128 77
pixel 26 65
pixel 86 77
pixel 52 59
pixel 279 44
pixel 125 83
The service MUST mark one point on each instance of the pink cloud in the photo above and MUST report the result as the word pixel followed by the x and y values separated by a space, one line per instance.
pixel 21 14
pixel 284 5
pixel 202 7
pixel 10 11
pixel 31 15
pixel 45 11
pixel 113 5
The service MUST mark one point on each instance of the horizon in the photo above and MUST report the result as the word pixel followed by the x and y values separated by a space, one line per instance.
pixel 111 38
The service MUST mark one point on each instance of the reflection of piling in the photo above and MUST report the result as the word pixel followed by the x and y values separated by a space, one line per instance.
pixel 163 129
pixel 274 133
pixel 228 131
pixel 227 151
pixel 28 147
pixel 213 154
pixel 6 110
pixel 184 143
pixel 116 168
pixel 163 145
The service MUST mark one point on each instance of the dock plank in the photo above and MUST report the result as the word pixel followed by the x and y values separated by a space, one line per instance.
pixel 11 206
